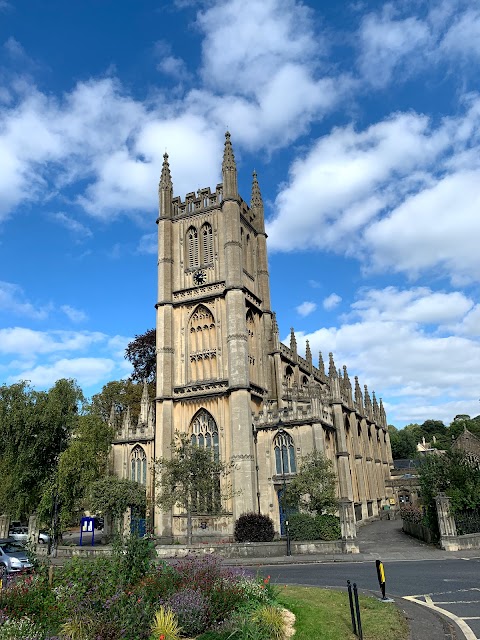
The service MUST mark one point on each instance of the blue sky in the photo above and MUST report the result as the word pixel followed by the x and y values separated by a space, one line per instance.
pixel 362 122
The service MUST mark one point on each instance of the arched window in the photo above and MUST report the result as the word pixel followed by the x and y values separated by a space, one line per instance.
pixel 203 345
pixel 207 244
pixel 204 434
pixel 289 376
pixel 138 465
pixel 192 248
pixel 251 343
pixel 284 454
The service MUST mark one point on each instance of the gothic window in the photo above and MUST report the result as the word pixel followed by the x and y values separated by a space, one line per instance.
pixel 289 376
pixel 192 248
pixel 251 342
pixel 138 465
pixel 203 345
pixel 284 454
pixel 248 252
pixel 207 244
pixel 204 434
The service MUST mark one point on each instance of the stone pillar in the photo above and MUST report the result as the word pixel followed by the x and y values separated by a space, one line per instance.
pixel 4 526
pixel 32 529
pixel 446 524
pixel 348 527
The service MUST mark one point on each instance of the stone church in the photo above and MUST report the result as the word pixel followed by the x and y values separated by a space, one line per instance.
pixel 225 378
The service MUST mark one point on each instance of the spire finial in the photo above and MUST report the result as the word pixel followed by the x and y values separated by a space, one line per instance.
pixel 332 370
pixel 229 171
pixel 293 341
pixel 256 202
pixel 321 364
pixel 308 354
pixel 165 177
pixel 358 396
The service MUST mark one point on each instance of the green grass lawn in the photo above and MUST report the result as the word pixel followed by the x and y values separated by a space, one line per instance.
pixel 323 614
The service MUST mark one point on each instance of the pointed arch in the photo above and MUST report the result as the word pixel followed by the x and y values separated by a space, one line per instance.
pixel 202 344
pixel 252 347
pixel 206 233
pixel 138 465
pixel 288 376
pixel 192 247
pixel 204 434
pixel 284 450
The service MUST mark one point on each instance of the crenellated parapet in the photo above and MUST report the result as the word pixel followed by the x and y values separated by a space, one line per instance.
pixel 201 201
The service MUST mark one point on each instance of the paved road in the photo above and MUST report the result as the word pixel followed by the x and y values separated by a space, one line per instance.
pixel 448 586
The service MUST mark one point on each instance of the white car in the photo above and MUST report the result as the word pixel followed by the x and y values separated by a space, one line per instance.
pixel 19 534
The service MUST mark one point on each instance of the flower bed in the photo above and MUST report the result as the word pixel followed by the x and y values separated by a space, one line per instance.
pixel 129 596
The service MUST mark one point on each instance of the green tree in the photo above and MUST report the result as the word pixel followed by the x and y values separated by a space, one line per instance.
pixel 82 462
pixel 192 480
pixel 141 352
pixel 453 475
pixel 462 422
pixel 35 428
pixel 403 443
pixel 119 394
pixel 112 497
pixel 313 488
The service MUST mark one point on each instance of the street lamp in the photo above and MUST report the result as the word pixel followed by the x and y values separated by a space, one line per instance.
pixel 281 431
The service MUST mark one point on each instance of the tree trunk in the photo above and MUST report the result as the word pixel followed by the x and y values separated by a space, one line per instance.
pixel 189 523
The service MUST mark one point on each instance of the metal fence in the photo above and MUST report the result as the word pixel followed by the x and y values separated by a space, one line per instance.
pixel 468 521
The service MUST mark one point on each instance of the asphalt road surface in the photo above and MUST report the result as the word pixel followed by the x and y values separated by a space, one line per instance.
pixel 451 587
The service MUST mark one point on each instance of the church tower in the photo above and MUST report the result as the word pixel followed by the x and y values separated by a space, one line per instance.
pixel 225 378
pixel 213 329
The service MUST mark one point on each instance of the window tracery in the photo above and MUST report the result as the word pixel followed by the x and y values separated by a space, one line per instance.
pixel 203 345
pixel 284 449
pixel 204 434
pixel 138 465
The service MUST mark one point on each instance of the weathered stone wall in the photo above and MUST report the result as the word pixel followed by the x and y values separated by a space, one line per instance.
pixel 417 531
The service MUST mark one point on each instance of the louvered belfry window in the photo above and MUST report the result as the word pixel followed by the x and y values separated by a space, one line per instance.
pixel 192 248
pixel 207 244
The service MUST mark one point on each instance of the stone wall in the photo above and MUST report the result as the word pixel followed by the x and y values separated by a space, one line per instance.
pixel 417 531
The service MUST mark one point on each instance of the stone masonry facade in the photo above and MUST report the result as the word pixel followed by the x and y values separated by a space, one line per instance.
pixel 225 378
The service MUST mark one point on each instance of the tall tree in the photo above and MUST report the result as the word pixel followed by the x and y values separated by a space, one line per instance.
pixel 403 443
pixel 119 394
pixel 83 462
pixel 35 427
pixel 192 480
pixel 313 488
pixel 141 352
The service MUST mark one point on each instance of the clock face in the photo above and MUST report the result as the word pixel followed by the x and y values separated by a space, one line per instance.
pixel 199 277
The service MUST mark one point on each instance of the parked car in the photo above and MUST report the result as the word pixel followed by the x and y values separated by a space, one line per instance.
pixel 13 558
pixel 43 537
pixel 19 534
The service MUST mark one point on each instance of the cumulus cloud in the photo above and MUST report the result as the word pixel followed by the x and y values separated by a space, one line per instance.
pixel 392 43
pixel 23 341
pixel 86 371
pixel 306 308
pixel 393 339
pixel 387 195
pixel 331 301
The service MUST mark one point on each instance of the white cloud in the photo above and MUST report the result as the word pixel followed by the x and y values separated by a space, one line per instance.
pixel 23 341
pixel 331 301
pixel 306 308
pixel 79 230
pixel 148 243
pixel 75 315
pixel 394 341
pixel 12 299
pixel 86 371
pixel 386 41
pixel 387 195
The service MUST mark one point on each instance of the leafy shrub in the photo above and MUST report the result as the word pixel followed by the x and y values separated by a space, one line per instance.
pixel 328 527
pixel 191 608
pixel 20 629
pixel 254 527
pixel 304 526
pixel 133 556
pixel 411 514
